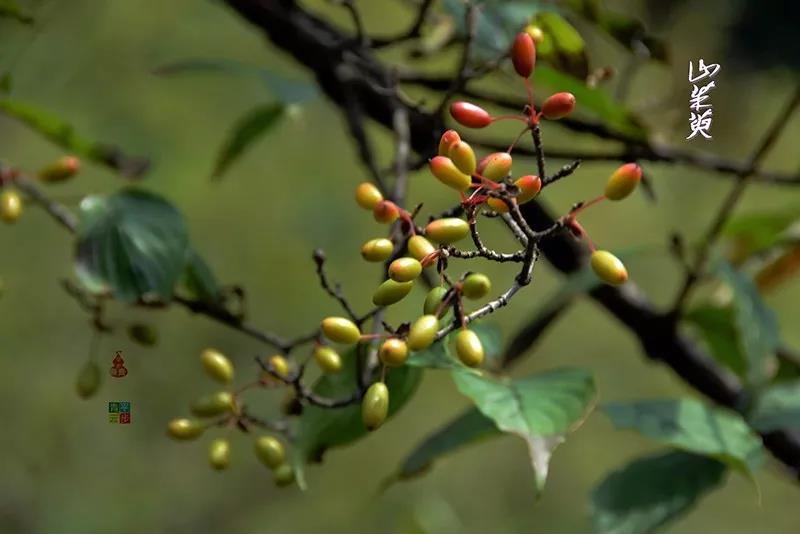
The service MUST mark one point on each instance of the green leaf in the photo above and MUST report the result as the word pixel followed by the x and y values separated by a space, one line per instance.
pixel 466 429
pixel 755 322
pixel 595 101
pixel 63 134
pixel 11 9
pixel 288 90
pixel 755 232
pixel 247 130
pixel 692 426
pixel 199 279
pixel 718 328
pixel 320 429
pixel 5 83
pixel 563 47
pixel 131 243
pixel 777 407
pixel 652 491
pixel 541 409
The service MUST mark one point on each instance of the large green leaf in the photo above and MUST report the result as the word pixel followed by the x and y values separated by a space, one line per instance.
pixel 12 9
pixel 754 232
pixel 777 407
pixel 132 244
pixel 469 427
pixel 594 101
pixel 63 134
pixel 320 429
pixel 652 491
pixel 562 47
pixel 755 322
pixel 247 130
pixel 541 409
pixel 718 328
pixel 692 426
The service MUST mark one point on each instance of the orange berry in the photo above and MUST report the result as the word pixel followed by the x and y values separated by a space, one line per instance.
pixel 386 211
pixel 368 195
pixel 529 186
pixel 623 181
pixel 470 115
pixel 558 105
pixel 60 170
pixel 495 166
pixel 447 140
pixel 608 268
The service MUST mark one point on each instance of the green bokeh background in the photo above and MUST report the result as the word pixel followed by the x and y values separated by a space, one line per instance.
pixel 64 468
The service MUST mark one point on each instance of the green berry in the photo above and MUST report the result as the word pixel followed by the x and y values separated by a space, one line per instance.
pixel 185 429
pixel 423 332
pixel 270 451
pixel 217 365
pixel 375 406
pixel 393 352
pixel 328 359
pixel 433 300
pixel 419 247
pixel 476 286
pixel 469 348
pixel 10 206
pixel 608 268
pixel 88 380
pixel 377 249
pixel 367 195
pixel 341 330
pixel 447 230
pixel 390 292
pixel 219 454
pixel 404 269
pixel 214 404
pixel 283 475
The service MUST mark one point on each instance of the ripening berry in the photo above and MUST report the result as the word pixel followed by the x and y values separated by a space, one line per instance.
pixel 463 157
pixel 623 181
pixel 469 348
pixel 393 352
pixel 523 54
pixel 143 334
pixel 341 330
pixel 419 247
pixel 214 404
pixel 495 166
pixel 558 105
pixel 433 300
pixel 386 211
pixel 217 365
pixel 60 170
pixel 219 454
pixel 88 380
pixel 270 451
pixel 390 292
pixel 404 269
pixel 10 206
pixel 447 140
pixel 185 429
pixel 279 365
pixel 423 332
pixel 470 115
pixel 377 249
pixel 476 286
pixel 328 359
pixel 535 32
pixel 608 268
pixel 529 186
pixel 447 230
pixel 446 172
pixel 375 406
pixel 283 475
pixel 367 195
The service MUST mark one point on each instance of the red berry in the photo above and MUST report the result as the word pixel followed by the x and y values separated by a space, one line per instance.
pixel 523 54
pixel 558 105
pixel 448 139
pixel 470 115
pixel 386 211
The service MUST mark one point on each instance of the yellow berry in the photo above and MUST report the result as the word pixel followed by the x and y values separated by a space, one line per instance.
pixel 423 332
pixel 219 454
pixel 469 348
pixel 270 451
pixel 476 286
pixel 283 475
pixel 375 406
pixel 623 181
pixel 447 230
pixel 463 157
pixel 608 268
pixel 495 166
pixel 377 249
pixel 535 32
pixel 328 359
pixel 393 352
pixel 10 206
pixel 217 365
pixel 341 330
pixel 88 380
pixel 419 247
pixel 279 365
pixel 447 140
pixel 404 269
pixel 214 404
pixel 446 172
pixel 185 429
pixel 390 292
pixel 367 195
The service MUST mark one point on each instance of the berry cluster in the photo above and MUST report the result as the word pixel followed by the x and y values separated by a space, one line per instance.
pixel 10 200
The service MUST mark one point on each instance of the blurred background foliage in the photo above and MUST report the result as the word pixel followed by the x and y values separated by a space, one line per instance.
pixel 66 469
